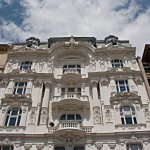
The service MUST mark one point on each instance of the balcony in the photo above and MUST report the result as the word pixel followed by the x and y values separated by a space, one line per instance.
pixel 71 75
pixel 69 99
pixel 65 128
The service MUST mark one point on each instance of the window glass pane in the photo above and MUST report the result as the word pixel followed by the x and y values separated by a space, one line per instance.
pixel 63 117
pixel 70 89
pixel 14 112
pixel 134 147
pixel 6 121
pixel 122 89
pixel 21 84
pixel 135 122
pixel 122 120
pixel 19 91
pixel 18 121
pixel 121 82
pixel 6 148
pixel 12 121
pixel 78 117
pixel 71 66
pixel 78 148
pixel 65 66
pixel 70 117
pixel 59 148
pixel 128 120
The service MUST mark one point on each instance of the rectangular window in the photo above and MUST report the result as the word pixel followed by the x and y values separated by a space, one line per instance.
pixel 20 88
pixel 134 147
pixel 6 148
pixel 122 85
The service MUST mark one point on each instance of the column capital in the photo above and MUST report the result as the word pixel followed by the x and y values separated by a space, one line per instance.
pixel 47 83
pixel 94 83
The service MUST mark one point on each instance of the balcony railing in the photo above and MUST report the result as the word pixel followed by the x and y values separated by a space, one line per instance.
pixel 70 125
pixel 70 96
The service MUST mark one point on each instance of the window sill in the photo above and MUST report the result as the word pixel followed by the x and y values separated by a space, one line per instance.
pixel 130 126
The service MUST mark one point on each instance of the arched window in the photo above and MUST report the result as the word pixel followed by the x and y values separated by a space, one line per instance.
pixel 70 117
pixel 134 147
pixel 69 67
pixel 26 65
pixel 128 115
pixel 117 63
pixel 13 117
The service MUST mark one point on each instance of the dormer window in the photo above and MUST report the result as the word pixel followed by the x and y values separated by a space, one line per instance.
pixel 117 63
pixel 26 65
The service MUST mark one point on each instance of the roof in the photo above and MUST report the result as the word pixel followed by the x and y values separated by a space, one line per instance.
pixel 146 53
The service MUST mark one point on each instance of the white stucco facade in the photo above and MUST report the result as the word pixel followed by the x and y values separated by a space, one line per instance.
pixel 74 93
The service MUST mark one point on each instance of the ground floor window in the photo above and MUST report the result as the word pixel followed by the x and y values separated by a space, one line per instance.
pixel 6 147
pixel 134 147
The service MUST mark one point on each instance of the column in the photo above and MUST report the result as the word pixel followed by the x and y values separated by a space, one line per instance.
pixel 117 114
pixel 45 103
pixel 29 87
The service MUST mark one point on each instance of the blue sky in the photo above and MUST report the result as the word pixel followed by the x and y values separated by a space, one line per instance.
pixel 127 19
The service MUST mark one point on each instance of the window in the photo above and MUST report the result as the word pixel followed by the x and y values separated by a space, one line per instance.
pixel 25 65
pixel 13 117
pixel 20 88
pixel 76 67
pixel 122 85
pixel 134 147
pixel 70 117
pixel 71 91
pixel 79 148
pixel 128 115
pixel 6 148
pixel 117 63
pixel 59 148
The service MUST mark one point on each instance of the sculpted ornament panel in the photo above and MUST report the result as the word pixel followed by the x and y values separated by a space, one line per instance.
pixel 32 117
pixel 108 114
pixel 97 116
pixel 40 146
pixel 99 146
pixel 27 146
pixel 112 146
pixel 6 141
pixel 44 115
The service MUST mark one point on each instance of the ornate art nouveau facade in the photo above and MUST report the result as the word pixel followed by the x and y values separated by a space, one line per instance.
pixel 73 93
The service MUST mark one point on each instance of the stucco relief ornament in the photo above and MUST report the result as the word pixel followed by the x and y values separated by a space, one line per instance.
pixel 44 115
pixel 6 142
pixel 27 146
pixel 147 114
pixel 104 83
pixel 3 84
pixel 37 84
pixel 41 64
pixel 40 146
pixel 9 66
pixel 108 114
pixel 93 64
pixel 112 146
pixel 99 146
pixel 32 116
pixel 97 118
pixel 71 43
pixel 139 82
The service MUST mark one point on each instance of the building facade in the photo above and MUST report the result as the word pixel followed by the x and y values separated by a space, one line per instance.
pixel 73 93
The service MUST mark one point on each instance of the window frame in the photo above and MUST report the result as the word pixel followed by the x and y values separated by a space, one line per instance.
pixel 19 89
pixel 66 117
pixel 120 86
pixel 70 66
pixel 117 63
pixel 24 66
pixel 10 115
pixel 128 117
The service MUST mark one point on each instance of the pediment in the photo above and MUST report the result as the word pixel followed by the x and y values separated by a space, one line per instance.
pixel 16 98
